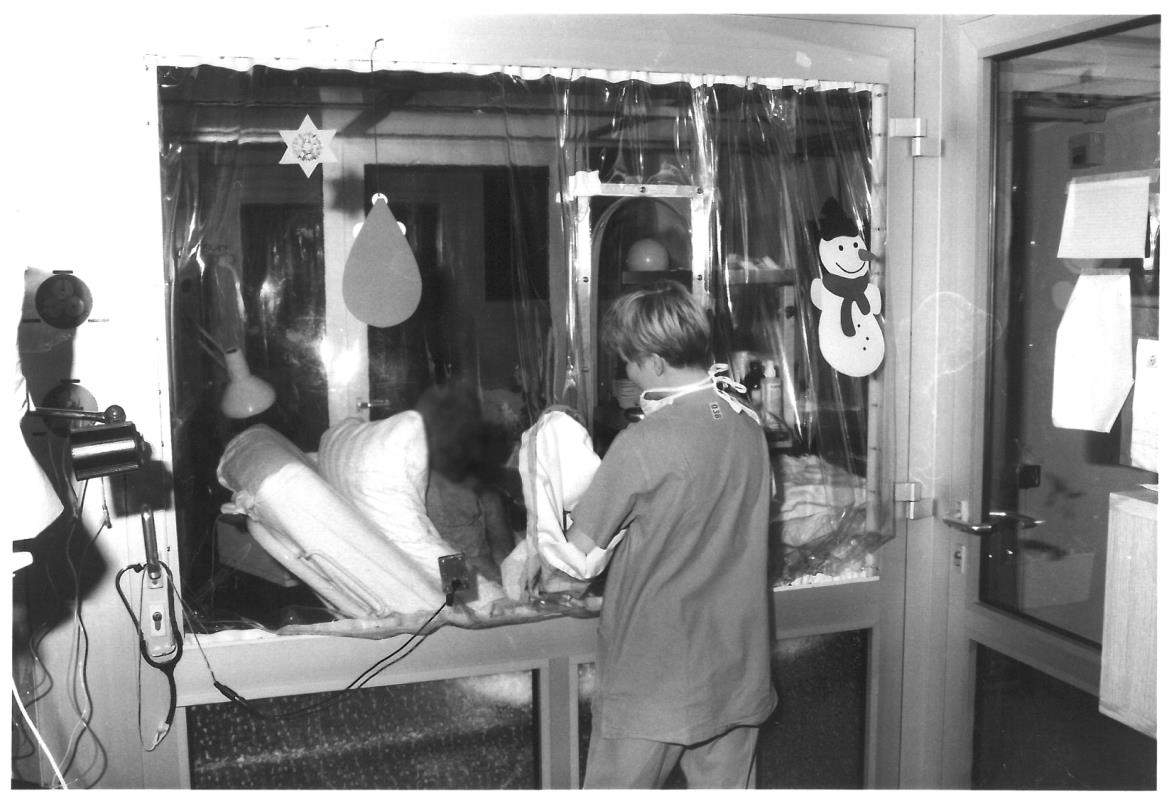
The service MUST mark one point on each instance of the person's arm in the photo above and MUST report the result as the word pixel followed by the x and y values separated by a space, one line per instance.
pixel 580 539
pixel 606 509
pixel 578 556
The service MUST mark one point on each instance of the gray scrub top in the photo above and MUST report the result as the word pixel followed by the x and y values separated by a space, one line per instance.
pixel 684 638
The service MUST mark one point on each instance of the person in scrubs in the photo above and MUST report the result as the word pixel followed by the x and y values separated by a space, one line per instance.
pixel 683 660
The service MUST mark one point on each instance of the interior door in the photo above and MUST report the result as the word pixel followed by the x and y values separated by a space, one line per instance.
pixel 1061 435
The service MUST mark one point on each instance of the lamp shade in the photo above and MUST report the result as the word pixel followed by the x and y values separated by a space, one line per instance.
pixel 246 395
pixel 105 449
pixel 647 255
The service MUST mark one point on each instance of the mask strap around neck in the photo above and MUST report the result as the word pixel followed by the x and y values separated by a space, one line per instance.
pixel 722 382
pixel 678 390
pixel 715 379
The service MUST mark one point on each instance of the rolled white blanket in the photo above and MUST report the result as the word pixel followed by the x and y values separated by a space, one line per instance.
pixel 557 464
pixel 314 532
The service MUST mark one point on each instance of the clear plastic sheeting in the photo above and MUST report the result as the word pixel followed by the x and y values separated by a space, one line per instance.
pixel 721 187
pixel 529 201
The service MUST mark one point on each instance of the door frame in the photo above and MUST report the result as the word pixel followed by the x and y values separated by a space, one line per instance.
pixel 943 619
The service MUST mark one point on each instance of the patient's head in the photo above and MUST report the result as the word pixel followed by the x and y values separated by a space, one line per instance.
pixel 461 443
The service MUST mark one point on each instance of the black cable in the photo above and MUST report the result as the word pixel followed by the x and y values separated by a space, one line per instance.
pixel 378 667
pixel 359 681
pixel 369 673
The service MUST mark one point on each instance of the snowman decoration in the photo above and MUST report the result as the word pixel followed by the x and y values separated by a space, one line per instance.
pixel 850 333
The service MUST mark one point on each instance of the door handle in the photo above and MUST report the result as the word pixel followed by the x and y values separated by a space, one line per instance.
pixel 969 528
pixel 1024 521
pixel 1000 519
pixel 363 404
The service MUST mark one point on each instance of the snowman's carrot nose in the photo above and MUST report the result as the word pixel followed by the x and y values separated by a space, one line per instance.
pixel 864 254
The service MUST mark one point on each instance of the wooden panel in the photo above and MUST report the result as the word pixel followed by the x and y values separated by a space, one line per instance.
pixel 1128 668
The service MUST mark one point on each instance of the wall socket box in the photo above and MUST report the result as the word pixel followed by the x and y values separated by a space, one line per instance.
pixel 1085 150
pixel 452 569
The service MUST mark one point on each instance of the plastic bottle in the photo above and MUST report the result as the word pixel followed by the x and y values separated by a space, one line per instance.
pixel 771 396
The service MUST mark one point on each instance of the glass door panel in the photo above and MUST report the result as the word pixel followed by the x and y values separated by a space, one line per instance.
pixel 1082 115
pixel 1072 118
pixel 1035 732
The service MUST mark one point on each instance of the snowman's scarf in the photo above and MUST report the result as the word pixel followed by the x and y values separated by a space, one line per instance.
pixel 851 291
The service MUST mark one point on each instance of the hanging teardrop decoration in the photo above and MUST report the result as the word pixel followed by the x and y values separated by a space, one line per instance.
pixel 381 285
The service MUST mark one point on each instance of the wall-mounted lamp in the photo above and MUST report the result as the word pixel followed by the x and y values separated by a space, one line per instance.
pixel 113 446
pixel 246 395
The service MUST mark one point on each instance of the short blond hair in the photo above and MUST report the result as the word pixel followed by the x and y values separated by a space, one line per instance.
pixel 661 319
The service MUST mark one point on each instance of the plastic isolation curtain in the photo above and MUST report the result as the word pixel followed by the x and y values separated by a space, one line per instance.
pixel 483 169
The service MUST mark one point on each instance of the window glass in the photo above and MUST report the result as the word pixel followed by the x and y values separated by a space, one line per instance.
pixel 1078 127
pixel 526 205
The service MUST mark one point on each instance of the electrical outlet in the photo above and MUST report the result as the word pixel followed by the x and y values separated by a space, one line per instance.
pixel 157 627
pixel 452 569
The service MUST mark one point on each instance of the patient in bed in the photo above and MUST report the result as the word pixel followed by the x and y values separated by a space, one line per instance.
pixel 463 497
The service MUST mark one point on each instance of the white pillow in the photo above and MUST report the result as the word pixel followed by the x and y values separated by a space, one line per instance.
pixel 382 468
pixel 311 529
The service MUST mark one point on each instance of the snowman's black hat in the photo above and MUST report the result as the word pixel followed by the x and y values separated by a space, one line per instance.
pixel 834 223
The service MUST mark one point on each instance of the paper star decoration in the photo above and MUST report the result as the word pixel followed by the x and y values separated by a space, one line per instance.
pixel 308 146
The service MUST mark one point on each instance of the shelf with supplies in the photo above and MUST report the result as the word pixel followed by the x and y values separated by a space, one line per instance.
pixel 761 299
pixel 759 277
pixel 732 277
pixel 740 270
pixel 647 276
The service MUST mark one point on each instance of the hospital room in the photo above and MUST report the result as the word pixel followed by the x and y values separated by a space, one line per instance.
pixel 529 400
